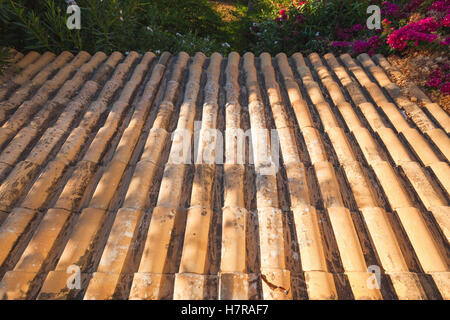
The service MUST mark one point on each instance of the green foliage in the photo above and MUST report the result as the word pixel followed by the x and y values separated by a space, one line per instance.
pixel 196 16
pixel 196 25
pixel 309 27
pixel 268 8
pixel 5 58
pixel 126 25
pixel 122 25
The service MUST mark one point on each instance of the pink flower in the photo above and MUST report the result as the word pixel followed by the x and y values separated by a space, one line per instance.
pixel 426 25
pixel 360 46
pixel 341 44
pixel 440 6
pixel 445 89
pixel 357 27
pixel 419 31
pixel 341 34
pixel 413 5
pixel 391 10
pixel 445 22
pixel 374 42
pixel 436 73
pixel 434 82
pixel 446 42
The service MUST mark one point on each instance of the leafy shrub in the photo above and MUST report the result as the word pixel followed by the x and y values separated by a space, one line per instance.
pixel 197 16
pixel 305 25
pixel 122 25
pixel 194 25
pixel 340 26
pixel 429 30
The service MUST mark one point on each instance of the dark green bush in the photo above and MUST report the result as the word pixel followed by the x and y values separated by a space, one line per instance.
pixel 122 25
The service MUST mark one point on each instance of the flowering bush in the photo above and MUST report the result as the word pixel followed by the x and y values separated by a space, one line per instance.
pixel 307 26
pixel 440 79
pixel 399 34
pixel 414 32
pixel 312 26
pixel 392 10
pixel 424 31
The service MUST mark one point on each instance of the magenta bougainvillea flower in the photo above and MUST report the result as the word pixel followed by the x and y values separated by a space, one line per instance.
pixel 437 73
pixel 360 46
pixel 283 15
pixel 396 31
pixel 357 27
pixel 374 42
pixel 440 79
pixel 434 82
pixel 413 5
pixel 341 44
pixel 341 34
pixel 391 10
pixel 445 22
pixel 440 6
pixel 445 88
pixel 420 31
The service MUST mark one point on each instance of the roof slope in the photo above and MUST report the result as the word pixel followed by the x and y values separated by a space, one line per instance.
pixel 96 176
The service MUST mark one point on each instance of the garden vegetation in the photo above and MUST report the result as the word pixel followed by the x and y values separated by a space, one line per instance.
pixel 255 25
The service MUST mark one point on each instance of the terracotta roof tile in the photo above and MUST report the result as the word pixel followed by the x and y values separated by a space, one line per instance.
pixel 304 175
